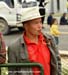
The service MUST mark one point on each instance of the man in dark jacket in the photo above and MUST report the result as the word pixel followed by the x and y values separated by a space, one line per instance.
pixel 42 9
pixel 63 20
pixel 34 46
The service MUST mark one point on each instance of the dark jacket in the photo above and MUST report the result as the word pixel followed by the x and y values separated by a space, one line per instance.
pixel 17 53
pixel 63 21
pixel 49 20
pixel 42 9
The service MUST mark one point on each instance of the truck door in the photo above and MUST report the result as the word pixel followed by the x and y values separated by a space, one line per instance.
pixel 11 14
pixel 7 15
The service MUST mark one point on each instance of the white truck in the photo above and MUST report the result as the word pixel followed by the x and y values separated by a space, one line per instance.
pixel 10 14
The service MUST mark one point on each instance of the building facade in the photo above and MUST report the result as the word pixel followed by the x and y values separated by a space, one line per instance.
pixel 56 6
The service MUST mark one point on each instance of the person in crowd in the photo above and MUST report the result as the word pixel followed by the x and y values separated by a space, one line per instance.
pixel 2 51
pixel 63 19
pixel 42 9
pixel 54 30
pixel 34 46
pixel 49 19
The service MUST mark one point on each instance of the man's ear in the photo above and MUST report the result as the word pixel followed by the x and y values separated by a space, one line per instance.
pixel 25 25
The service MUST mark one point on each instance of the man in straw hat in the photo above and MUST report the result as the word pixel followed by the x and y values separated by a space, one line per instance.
pixel 34 46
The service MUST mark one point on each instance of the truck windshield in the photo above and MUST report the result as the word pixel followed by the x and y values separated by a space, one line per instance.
pixel 20 1
pixel 29 3
pixel 30 0
pixel 10 3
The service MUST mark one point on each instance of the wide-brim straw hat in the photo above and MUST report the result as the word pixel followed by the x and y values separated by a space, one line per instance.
pixel 30 14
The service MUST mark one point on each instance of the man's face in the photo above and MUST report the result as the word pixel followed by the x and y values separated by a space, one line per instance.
pixel 34 26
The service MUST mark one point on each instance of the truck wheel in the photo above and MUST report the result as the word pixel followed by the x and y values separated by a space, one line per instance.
pixel 4 28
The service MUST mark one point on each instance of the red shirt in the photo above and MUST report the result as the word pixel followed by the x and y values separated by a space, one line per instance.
pixel 39 53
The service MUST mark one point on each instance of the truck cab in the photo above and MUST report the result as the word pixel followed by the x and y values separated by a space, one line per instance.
pixel 10 13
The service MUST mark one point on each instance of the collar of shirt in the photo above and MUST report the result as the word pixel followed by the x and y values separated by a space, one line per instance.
pixel 40 39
